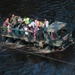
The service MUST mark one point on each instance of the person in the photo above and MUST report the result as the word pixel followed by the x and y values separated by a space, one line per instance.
pixel 31 20
pixel 46 23
pixel 26 20
pixel 37 23
pixel 13 20
pixel 40 35
pixel 41 23
pixel 6 23
pixel 25 27
pixel 32 24
pixel 9 29
pixel 53 36
pixel 35 32
pixel 21 30
pixel 36 28
pixel 19 19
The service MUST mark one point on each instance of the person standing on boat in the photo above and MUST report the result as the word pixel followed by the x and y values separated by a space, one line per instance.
pixel 26 21
pixel 37 23
pixel 45 23
pixel 13 20
pixel 19 19
pixel 6 23
pixel 25 27
pixel 32 23
pixel 9 29
pixel 36 28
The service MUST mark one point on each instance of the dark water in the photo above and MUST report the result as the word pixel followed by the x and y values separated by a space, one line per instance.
pixel 16 63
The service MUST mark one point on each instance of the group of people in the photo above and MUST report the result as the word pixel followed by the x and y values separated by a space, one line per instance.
pixel 25 25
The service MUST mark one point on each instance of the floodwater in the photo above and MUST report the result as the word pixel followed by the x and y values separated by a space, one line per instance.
pixel 15 63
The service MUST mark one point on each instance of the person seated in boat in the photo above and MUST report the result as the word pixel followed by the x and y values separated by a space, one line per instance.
pixel 9 29
pixel 25 27
pixel 6 22
pixel 36 28
pixel 37 23
pixel 26 20
pixel 40 35
pixel 31 25
pixel 31 20
pixel 39 30
pixel 41 23
pixel 45 24
pixel 13 20
pixel 16 31
pixel 19 19
pixel 53 35
pixel 21 29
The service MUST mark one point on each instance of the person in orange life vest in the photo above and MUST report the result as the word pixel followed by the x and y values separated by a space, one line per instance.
pixel 6 23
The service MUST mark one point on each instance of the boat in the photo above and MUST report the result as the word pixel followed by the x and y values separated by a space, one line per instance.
pixel 57 38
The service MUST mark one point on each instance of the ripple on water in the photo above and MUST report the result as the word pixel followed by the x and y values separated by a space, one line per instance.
pixel 14 63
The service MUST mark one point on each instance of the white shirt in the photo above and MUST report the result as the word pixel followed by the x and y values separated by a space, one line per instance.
pixel 8 27
pixel 32 24
pixel 26 32
pixel 47 24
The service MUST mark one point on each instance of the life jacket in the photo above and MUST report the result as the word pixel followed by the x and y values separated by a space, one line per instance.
pixel 27 20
